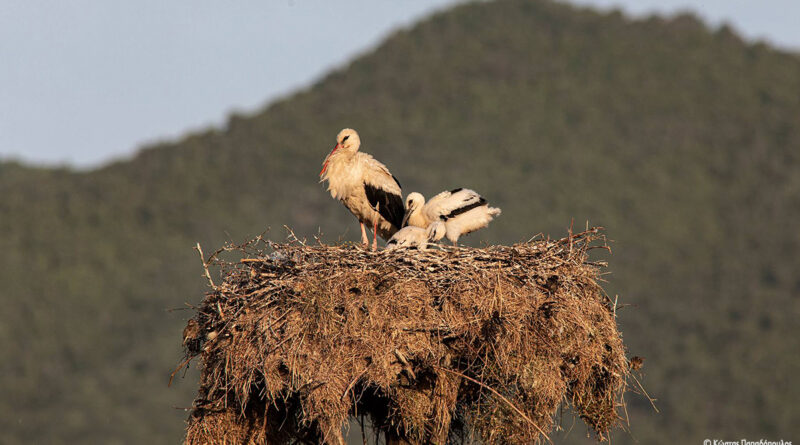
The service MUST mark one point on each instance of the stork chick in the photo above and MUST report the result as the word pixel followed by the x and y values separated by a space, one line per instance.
pixel 416 237
pixel 365 186
pixel 462 210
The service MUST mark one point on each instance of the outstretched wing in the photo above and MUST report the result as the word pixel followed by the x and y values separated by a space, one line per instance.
pixel 446 205
pixel 466 208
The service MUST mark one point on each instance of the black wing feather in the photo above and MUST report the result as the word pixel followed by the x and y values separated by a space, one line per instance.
pixel 467 208
pixel 389 205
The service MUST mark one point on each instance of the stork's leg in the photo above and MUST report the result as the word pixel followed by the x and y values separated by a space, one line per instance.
pixel 364 237
pixel 455 243
pixel 375 235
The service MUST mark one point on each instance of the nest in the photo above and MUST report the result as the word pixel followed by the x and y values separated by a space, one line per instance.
pixel 430 347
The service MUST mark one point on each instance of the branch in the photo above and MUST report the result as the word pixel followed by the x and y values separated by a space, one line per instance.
pixel 508 402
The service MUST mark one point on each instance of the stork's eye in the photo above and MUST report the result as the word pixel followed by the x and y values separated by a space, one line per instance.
pixel 345 138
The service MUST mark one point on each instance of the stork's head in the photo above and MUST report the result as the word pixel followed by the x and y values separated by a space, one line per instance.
pixel 436 231
pixel 346 141
pixel 414 202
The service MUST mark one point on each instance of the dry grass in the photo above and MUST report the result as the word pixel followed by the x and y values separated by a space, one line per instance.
pixel 432 346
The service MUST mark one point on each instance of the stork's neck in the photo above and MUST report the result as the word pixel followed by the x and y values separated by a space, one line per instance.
pixel 343 171
pixel 343 154
pixel 416 218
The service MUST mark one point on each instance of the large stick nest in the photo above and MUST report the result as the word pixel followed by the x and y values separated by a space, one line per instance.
pixel 433 346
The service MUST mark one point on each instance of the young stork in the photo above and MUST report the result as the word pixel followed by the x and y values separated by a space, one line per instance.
pixel 462 210
pixel 364 186
pixel 416 237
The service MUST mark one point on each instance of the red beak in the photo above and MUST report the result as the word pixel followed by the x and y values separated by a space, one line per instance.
pixel 325 164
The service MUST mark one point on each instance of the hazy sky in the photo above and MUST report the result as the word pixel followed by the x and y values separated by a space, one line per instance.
pixel 85 81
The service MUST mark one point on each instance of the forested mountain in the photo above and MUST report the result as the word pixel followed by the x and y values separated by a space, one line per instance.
pixel 683 141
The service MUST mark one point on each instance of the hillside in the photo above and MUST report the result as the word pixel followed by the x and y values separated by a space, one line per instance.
pixel 681 140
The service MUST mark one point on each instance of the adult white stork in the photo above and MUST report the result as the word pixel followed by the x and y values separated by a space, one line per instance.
pixel 462 210
pixel 364 186
pixel 416 237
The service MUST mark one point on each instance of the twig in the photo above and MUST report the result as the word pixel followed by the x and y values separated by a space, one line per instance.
pixel 403 360
pixel 353 383
pixel 570 236
pixel 508 402
pixel 363 434
pixel 185 362
pixel 205 266
pixel 292 236
pixel 651 400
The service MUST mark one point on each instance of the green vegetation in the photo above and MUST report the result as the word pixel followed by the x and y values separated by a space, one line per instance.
pixel 683 141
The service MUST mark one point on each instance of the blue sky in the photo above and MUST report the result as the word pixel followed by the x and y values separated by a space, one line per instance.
pixel 87 81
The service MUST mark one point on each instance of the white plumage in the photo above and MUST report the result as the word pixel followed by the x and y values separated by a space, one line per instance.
pixel 462 210
pixel 365 186
pixel 470 221
pixel 416 237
